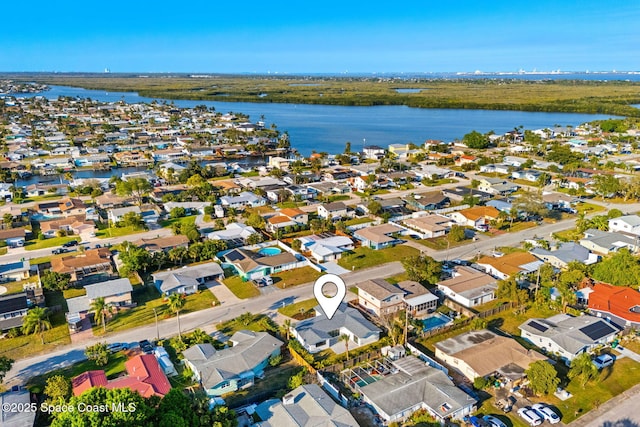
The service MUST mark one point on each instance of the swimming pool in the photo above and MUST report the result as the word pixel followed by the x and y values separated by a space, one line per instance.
pixel 269 251
pixel 436 321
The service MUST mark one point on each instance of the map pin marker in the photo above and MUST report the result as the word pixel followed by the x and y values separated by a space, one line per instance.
pixel 329 304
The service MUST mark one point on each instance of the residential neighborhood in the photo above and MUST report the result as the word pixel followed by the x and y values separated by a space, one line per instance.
pixel 170 251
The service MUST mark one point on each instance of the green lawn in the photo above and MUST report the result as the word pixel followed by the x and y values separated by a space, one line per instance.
pixel 441 243
pixel 623 374
pixel 274 383
pixel 113 368
pixel 298 276
pixel 588 207
pixel 109 232
pixel 29 345
pixel 256 323
pixel 366 257
pixel 32 245
pixel 240 288
pixel 74 292
pixel 184 220
pixel 148 298
pixel 4 250
pixel 299 310
pixel 567 235
pixel 356 221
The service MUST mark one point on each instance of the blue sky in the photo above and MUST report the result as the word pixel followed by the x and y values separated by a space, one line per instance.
pixel 320 37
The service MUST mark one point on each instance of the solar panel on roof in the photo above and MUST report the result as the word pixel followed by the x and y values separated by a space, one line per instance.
pixel 598 330
pixel 234 256
pixel 538 326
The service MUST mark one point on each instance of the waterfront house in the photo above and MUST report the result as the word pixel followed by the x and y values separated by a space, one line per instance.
pixel 568 336
pixel 469 287
pixel 232 368
pixel 321 333
pixel 379 236
pixel 483 354
pixel 186 280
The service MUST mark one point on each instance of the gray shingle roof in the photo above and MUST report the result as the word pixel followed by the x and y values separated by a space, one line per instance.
pixel 249 350
pixel 109 288
pixel 318 328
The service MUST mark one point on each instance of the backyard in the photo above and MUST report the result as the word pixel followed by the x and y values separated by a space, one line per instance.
pixel 366 257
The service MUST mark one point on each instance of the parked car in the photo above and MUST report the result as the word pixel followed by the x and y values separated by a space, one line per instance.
pixel 530 416
pixel 546 412
pixel 117 346
pixel 70 244
pixel 146 346
pixel 493 421
pixel 263 281
pixel 477 422
pixel 603 361
pixel 59 251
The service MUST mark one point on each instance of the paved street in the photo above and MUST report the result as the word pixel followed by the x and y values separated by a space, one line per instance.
pixel 204 319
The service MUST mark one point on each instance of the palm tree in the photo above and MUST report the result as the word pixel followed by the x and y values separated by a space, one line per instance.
pixel 345 338
pixel 176 303
pixel 36 322
pixel 100 309
pixel 286 326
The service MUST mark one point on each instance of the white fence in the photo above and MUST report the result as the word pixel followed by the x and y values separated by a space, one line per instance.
pixel 426 359
pixel 332 390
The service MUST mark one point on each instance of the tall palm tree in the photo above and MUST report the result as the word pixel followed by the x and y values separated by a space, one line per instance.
pixel 100 309
pixel 36 322
pixel 345 338
pixel 176 303
pixel 286 326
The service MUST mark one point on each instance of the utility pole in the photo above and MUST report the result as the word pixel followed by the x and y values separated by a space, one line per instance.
pixel 155 314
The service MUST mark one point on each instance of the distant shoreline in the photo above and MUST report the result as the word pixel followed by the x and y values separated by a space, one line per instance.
pixel 477 92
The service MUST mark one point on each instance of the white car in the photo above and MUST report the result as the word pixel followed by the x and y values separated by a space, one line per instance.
pixel 530 416
pixel 546 412
pixel 493 421
pixel 603 361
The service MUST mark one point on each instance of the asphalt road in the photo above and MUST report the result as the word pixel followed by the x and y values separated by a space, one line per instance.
pixel 207 320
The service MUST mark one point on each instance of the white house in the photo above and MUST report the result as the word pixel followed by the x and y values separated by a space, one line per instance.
pixel 627 224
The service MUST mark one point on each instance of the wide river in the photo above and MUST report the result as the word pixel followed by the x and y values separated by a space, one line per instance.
pixel 328 127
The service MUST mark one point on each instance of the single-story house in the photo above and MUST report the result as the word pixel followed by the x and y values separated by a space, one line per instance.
pixel 476 216
pixel 186 280
pixel 116 293
pixel 566 253
pixel 459 193
pixel 13 309
pixel 483 353
pixel 497 186
pixel 427 201
pixel 14 271
pixel 163 244
pixel 469 287
pixel 320 333
pixel 325 249
pixel 568 336
pixel 235 234
pixel 13 237
pixel 116 214
pixel 242 200
pixel 379 236
pixel 511 264
pixel 412 386
pixel 144 376
pixel 629 224
pixel 430 225
pixel 233 368
pixel 603 242
pixel 93 262
pixel 617 304
pixel 253 265
pixel 302 406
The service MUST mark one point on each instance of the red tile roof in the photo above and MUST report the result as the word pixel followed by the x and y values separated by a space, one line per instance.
pixel 144 376
pixel 87 380
pixel 617 300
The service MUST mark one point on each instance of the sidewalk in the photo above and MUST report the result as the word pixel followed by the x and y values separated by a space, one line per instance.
pixel 609 411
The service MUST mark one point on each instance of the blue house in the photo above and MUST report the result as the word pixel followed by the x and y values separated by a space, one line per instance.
pixel 233 368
